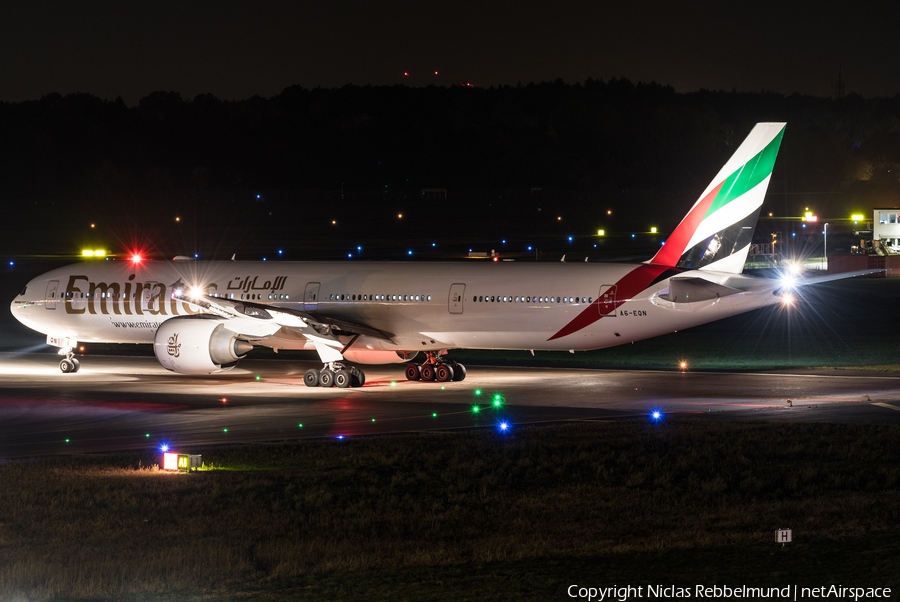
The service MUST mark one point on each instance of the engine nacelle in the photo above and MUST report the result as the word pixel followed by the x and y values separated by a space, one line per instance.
pixel 378 356
pixel 198 345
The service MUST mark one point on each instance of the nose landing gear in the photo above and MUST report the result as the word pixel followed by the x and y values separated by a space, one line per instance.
pixel 69 364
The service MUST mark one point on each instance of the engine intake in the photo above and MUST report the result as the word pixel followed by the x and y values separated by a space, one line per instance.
pixel 198 345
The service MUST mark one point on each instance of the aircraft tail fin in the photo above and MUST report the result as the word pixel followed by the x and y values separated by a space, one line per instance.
pixel 717 231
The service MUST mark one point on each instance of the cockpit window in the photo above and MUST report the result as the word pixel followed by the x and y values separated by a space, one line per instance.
pixel 22 294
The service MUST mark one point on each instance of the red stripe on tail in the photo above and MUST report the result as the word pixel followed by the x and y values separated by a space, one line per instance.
pixel 677 243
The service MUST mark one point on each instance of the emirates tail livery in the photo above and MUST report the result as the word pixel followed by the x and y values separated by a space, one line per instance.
pixel 202 317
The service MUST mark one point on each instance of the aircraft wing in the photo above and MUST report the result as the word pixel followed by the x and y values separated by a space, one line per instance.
pixel 313 326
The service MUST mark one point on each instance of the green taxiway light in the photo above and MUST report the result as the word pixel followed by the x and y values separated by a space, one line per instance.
pixel 434 415
pixel 475 409
pixel 147 435
pixel 373 420
pixel 257 378
pixel 67 440
pixel 224 430
pixel 300 425
pixel 393 383
pixel 477 391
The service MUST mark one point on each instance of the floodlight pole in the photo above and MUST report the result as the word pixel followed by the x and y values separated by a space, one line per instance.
pixel 826 246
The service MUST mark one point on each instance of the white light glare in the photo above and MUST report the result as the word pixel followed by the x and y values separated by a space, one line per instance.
pixel 787 299
pixel 788 280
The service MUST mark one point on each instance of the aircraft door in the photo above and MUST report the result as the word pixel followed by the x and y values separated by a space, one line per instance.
pixel 606 302
pixel 311 297
pixel 147 295
pixel 457 293
pixel 51 294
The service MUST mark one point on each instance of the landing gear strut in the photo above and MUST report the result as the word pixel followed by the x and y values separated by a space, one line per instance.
pixel 69 364
pixel 436 368
pixel 334 374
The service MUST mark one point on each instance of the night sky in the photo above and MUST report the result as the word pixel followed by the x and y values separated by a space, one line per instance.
pixel 235 50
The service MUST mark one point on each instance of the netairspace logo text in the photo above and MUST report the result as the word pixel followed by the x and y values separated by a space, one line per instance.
pixel 722 592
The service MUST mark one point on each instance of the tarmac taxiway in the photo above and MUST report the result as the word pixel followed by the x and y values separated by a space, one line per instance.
pixel 121 403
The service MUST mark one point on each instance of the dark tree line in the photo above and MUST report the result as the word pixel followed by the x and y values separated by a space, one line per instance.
pixel 591 144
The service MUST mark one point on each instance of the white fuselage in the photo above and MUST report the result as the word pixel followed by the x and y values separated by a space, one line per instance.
pixel 421 306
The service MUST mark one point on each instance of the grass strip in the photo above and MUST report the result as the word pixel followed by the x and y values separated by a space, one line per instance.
pixel 425 516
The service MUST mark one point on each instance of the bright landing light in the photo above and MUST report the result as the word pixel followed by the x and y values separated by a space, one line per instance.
pixel 787 299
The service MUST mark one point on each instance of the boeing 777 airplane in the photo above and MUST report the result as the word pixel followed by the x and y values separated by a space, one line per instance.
pixel 202 317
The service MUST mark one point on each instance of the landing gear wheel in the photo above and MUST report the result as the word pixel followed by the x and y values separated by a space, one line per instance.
pixel 326 378
pixel 311 378
pixel 342 379
pixel 459 372
pixel 412 372
pixel 358 377
pixel 443 373
pixel 427 372
pixel 67 366
pixel 76 363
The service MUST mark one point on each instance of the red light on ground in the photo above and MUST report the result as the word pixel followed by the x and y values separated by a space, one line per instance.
pixel 224 400
pixel 136 258
pixel 81 349
pixel 170 461
pixel 406 74
pixel 435 72
pixel 496 258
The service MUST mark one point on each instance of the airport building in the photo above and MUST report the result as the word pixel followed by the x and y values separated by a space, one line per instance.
pixel 878 253
pixel 886 226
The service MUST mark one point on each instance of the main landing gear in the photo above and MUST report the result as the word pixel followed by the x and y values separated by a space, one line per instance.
pixel 436 369
pixel 69 364
pixel 335 375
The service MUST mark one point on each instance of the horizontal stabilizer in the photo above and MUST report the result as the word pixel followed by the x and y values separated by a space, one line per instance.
pixel 691 290
pixel 839 276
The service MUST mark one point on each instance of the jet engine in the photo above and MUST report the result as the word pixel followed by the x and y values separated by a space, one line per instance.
pixel 378 356
pixel 198 345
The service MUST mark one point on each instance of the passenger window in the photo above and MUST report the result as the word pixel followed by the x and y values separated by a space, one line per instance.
pixel 429 298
